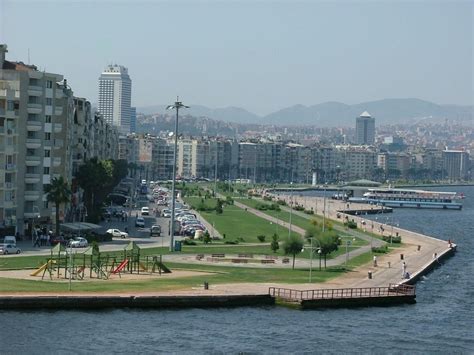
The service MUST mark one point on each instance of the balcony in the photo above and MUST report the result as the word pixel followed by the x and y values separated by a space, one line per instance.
pixel 32 195
pixel 33 143
pixel 32 160
pixel 58 127
pixel 33 125
pixel 10 186
pixel 32 178
pixel 34 90
pixel 12 113
pixel 10 167
pixel 11 131
pixel 35 108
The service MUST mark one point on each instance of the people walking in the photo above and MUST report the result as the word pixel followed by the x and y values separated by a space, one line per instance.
pixel 375 260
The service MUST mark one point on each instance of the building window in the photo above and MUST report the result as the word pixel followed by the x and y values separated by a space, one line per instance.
pixel 46 170
pixel 47 118
pixel 49 84
pixel 47 136
pixel 45 204
pixel 47 153
pixel 49 101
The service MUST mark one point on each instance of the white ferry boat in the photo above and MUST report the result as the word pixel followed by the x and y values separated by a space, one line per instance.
pixel 391 197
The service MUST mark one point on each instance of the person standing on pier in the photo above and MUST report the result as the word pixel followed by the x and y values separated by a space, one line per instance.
pixel 404 269
pixel 375 260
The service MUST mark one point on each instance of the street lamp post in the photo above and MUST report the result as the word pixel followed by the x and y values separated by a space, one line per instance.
pixel 311 257
pixel 291 207
pixel 33 222
pixel 177 105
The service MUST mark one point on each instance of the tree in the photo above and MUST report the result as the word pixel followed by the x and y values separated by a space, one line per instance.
pixel 274 245
pixel 58 192
pixel 292 246
pixel 328 242
pixel 219 206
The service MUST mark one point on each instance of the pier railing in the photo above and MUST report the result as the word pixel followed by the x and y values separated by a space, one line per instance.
pixel 339 293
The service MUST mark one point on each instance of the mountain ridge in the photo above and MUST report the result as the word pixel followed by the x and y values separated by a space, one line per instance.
pixel 333 113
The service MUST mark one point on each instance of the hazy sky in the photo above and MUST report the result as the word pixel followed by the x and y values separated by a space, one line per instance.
pixel 261 56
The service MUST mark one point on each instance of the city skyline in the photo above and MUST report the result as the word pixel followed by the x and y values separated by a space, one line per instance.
pixel 361 55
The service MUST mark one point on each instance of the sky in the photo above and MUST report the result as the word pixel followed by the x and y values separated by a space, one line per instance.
pixel 258 55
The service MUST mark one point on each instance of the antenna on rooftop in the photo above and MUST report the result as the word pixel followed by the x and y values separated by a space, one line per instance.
pixel 28 56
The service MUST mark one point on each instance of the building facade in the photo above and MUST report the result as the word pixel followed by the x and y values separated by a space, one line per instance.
pixel 115 93
pixel 365 129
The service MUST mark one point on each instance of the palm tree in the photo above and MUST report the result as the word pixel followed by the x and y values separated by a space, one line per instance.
pixel 58 192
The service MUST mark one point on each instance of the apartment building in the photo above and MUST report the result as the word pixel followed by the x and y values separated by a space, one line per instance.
pixel 365 129
pixel 455 164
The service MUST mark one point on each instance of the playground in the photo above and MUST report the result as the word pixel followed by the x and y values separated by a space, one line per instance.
pixel 65 264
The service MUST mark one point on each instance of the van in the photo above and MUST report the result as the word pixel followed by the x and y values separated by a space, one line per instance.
pixel 9 239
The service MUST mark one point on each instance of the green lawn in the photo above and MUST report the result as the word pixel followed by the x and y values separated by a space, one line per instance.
pixel 236 223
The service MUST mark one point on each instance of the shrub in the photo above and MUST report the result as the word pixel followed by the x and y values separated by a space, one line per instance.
pixel 206 238
pixel 351 224
pixel 311 212
pixel 229 200
pixel 299 208
pixel 381 250
pixel 98 238
pixel 275 207
pixel 281 202
pixel 261 238
pixel 394 239
pixel 241 239
pixel 274 245
pixel 189 242
pixel 267 198
pixel 261 206
pixel 231 242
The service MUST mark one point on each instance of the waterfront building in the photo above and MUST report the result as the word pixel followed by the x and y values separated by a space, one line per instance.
pixel 456 164
pixel 36 114
pixel 365 129
pixel 396 164
pixel 115 92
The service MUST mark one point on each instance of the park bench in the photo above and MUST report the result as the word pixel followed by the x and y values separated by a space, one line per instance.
pixel 239 261
pixel 268 261
pixel 218 255
pixel 285 261
pixel 245 255
pixel 199 256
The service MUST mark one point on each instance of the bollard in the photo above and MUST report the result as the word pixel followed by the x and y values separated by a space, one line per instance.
pixel 369 275
pixel 401 256
pixel 389 264
pixel 419 247
pixel 206 285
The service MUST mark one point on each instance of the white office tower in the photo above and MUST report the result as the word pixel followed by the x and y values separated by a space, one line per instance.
pixel 115 93
pixel 365 129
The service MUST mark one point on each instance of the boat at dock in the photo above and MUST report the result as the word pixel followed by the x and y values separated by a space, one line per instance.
pixel 392 197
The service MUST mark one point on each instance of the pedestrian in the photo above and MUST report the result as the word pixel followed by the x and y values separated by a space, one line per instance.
pixel 37 242
pixel 404 269
pixel 375 260
pixel 435 256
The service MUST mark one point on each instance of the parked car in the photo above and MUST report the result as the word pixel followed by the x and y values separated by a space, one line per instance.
pixel 117 233
pixel 140 222
pixel 6 249
pixel 78 242
pixel 166 213
pixel 145 211
pixel 155 231
pixel 58 240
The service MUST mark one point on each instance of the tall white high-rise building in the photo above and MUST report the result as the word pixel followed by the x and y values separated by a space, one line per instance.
pixel 115 94
pixel 365 129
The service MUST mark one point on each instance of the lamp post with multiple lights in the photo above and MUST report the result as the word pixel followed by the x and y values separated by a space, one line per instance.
pixel 177 105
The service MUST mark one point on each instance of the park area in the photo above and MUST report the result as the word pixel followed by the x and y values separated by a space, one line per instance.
pixel 248 248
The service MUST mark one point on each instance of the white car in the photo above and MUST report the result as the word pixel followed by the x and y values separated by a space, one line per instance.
pixel 140 222
pixel 117 233
pixel 9 249
pixel 145 211
pixel 79 242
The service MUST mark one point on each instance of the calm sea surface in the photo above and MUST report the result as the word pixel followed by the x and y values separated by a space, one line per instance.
pixel 442 321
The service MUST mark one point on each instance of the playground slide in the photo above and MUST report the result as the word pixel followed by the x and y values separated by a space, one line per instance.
pixel 42 268
pixel 120 267
pixel 164 268
pixel 142 267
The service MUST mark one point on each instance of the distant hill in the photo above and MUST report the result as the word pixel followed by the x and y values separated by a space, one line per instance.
pixel 227 114
pixel 385 111
pixel 330 114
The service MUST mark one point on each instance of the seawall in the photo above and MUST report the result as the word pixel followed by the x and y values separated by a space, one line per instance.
pixel 154 302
